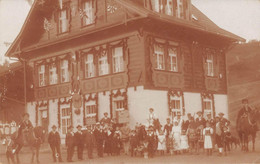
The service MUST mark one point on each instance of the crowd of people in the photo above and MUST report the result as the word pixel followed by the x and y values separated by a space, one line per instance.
pixel 177 136
pixel 193 135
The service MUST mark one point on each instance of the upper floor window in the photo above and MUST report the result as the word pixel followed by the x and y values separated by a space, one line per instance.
pixel 159 53
pixel 89 66
pixel 103 65
pixel 42 73
pixel 209 65
pixel 118 61
pixel 180 9
pixel 169 8
pixel 64 71
pixel 63 21
pixel 173 65
pixel 88 12
pixel 53 77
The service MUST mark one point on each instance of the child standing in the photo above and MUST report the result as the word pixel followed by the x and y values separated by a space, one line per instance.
pixel 161 143
pixel 9 149
pixel 184 141
pixel 207 133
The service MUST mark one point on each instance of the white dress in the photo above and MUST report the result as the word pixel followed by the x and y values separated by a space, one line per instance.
pixel 176 131
pixel 207 133
pixel 184 142
pixel 161 142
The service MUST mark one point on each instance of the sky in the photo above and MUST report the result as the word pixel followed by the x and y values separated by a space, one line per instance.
pixel 241 17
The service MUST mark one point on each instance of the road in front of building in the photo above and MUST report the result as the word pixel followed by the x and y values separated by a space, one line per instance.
pixel 236 156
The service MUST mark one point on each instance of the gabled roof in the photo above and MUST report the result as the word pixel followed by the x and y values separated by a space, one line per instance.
pixel 202 22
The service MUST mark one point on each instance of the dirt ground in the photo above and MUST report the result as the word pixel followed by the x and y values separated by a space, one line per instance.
pixel 236 156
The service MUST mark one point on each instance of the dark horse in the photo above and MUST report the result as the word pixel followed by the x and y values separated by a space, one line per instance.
pixel 247 126
pixel 33 138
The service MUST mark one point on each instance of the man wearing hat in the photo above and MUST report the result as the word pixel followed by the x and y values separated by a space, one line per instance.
pixel 90 140
pixel 24 125
pixel 210 120
pixel 200 120
pixel 79 142
pixel 54 141
pixel 105 119
pixel 70 142
pixel 99 135
pixel 222 119
pixel 186 123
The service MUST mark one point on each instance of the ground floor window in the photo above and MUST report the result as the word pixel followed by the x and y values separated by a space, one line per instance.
pixel 119 106
pixel 65 117
pixel 90 112
pixel 175 101
pixel 207 107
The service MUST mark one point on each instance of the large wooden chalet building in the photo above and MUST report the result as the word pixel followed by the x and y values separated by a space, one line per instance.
pixel 121 57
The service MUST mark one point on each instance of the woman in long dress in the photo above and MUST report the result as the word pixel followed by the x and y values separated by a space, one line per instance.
pixel 161 142
pixel 207 133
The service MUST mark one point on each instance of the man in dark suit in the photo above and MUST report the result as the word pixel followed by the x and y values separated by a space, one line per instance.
pixel 70 143
pixel 99 135
pixel 90 140
pixel 54 141
pixel 105 119
pixel 200 120
pixel 186 124
pixel 79 141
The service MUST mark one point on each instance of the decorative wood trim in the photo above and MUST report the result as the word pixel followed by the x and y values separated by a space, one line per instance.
pixel 177 93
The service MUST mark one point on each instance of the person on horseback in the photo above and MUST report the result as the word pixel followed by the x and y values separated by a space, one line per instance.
pixel 25 125
pixel 152 117
pixel 243 112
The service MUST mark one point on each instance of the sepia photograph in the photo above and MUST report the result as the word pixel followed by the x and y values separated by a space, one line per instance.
pixel 129 81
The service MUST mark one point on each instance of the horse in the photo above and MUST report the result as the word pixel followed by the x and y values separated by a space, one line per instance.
pixel 33 138
pixel 247 127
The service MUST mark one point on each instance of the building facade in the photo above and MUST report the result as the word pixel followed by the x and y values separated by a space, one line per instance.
pixel 122 57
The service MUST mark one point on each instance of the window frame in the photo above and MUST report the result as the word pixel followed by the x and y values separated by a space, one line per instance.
pixel 170 62
pixel 210 65
pixel 205 100
pixel 101 58
pixel 87 64
pixel 176 110
pixel 60 21
pixel 67 71
pixel 180 10
pixel 68 118
pixel 119 60
pixel 157 54
pixel 43 73
pixel 51 71
pixel 83 9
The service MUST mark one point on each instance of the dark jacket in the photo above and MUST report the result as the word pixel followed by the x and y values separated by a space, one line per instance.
pixel 24 125
pixel 79 138
pixel 99 136
pixel 200 121
pixel 70 141
pixel 89 138
pixel 167 128
pixel 54 138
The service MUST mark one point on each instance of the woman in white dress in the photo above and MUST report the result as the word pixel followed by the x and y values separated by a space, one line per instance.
pixel 161 142
pixel 207 133
pixel 176 131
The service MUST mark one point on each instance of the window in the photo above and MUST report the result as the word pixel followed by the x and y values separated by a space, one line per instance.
pixel 63 21
pixel 88 9
pixel 89 66
pixel 90 112
pixel 118 61
pixel 159 53
pixel 207 106
pixel 118 105
pixel 180 8
pixel 209 65
pixel 103 64
pixel 173 65
pixel 42 77
pixel 64 71
pixel 65 119
pixel 169 7
pixel 53 78
pixel 175 105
